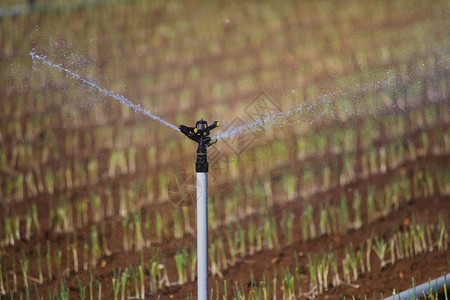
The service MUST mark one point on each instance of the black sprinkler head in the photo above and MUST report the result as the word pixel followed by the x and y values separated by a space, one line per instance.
pixel 200 134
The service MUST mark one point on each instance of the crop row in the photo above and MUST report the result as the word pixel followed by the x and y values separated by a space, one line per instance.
pixel 325 269
pixel 89 172
pixel 314 178
pixel 163 67
pixel 137 232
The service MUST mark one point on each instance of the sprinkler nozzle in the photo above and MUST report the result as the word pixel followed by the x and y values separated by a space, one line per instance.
pixel 200 134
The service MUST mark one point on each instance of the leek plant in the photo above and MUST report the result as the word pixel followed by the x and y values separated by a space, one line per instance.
pixel 85 255
pixel 353 260
pixel 147 228
pixel 14 273
pixel 28 221
pixel 194 263
pixel 242 247
pixel 9 237
pixel 104 240
pixel 344 216
pixel 49 262
pixel 154 272
pixel 95 246
pixel 16 226
pixel 181 260
pixel 231 241
pixel 251 238
pixel 288 285
pixel 41 276
pixel 24 262
pixel 139 239
pixel 75 252
pixel 59 261
pixel 116 283
pixel 141 278
pixel 124 280
pixel 368 251
pixel 81 288
pixel 380 250
pixel 125 233
pixel 158 227
pixel 287 222
pixel 268 234
pixel 371 216
pixel 221 256
pixel 312 267
pixel 177 225
pixel 2 287
pixel 357 209
pixel 360 255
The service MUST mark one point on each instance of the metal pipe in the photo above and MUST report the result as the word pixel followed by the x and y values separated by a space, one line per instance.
pixel 418 291
pixel 202 235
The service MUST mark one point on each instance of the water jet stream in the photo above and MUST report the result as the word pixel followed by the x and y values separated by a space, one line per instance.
pixel 120 98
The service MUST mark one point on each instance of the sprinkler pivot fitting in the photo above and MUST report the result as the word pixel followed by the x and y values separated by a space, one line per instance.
pixel 200 134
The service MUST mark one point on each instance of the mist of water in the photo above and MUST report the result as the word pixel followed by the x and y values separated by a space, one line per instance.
pixel 322 107
pixel 120 98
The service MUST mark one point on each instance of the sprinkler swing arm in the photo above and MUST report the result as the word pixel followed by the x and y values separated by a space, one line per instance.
pixel 200 134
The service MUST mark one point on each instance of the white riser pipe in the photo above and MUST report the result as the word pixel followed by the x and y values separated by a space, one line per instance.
pixel 202 235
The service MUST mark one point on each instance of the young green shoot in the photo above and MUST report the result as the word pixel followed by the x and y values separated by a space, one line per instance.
pixel 41 276
pixel 380 250
pixel 49 262
pixel 116 283
pixel 24 262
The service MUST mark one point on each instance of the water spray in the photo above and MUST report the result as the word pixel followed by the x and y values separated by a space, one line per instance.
pixel 200 134
pixel 120 98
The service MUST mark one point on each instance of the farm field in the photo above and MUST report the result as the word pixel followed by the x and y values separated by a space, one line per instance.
pixel 343 191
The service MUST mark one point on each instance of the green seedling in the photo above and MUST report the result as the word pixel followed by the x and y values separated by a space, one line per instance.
pixel 104 240
pixel 231 246
pixel 357 209
pixel 116 283
pixel 332 258
pixel 139 238
pixel 242 247
pixel 181 263
pixel 371 216
pixel 28 221
pixel 251 238
pixel 288 224
pixel 368 251
pixel 141 279
pixel 288 285
pixel 59 261
pixel 177 225
pixel 24 262
pixel 380 250
pixel 194 263
pixel 81 288
pixel 49 262
pixel 125 233
pixel 158 227
pixel 221 256
pixel 124 282
pixel 2 286
pixel 41 276
pixel 95 246
pixel 312 267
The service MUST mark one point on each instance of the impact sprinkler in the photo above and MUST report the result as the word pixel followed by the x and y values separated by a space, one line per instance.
pixel 200 134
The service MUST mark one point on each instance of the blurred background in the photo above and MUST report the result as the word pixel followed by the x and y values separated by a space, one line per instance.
pixel 354 96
